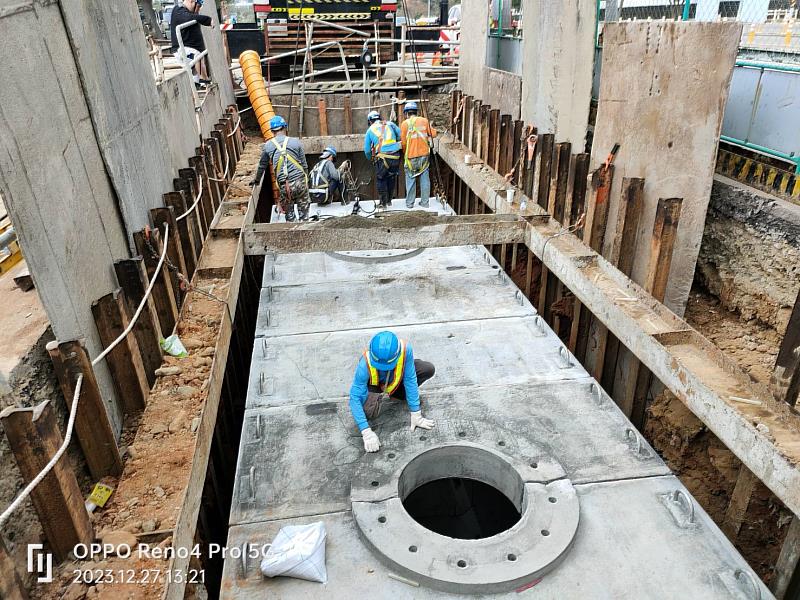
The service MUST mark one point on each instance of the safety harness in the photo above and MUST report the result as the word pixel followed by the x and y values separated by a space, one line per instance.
pixel 284 156
pixel 385 135
pixel 414 133
pixel 319 183
pixel 393 378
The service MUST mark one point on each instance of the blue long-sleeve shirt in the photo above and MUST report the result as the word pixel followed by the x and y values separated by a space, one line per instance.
pixel 359 391
pixel 372 138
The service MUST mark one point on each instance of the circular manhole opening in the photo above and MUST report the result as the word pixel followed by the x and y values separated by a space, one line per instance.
pixel 462 492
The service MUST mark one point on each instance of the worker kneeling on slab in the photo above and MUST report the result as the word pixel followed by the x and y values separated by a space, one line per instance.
pixel 387 368
pixel 326 180
pixel 382 147
pixel 291 170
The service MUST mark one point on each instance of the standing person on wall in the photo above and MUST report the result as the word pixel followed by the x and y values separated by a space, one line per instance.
pixel 193 44
pixel 416 134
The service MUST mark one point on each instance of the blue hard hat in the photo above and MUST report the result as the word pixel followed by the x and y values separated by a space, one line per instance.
pixel 410 106
pixel 277 122
pixel 384 351
pixel 373 115
pixel 329 151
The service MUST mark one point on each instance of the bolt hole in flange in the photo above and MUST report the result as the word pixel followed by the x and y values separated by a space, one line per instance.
pixel 511 557
pixel 462 564
pixel 381 519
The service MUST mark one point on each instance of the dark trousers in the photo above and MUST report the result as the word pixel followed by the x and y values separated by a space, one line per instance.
pixel 372 407
pixel 386 172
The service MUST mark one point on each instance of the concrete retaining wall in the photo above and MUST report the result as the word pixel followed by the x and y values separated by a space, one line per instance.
pixel 472 54
pixel 750 255
pixel 503 90
pixel 53 179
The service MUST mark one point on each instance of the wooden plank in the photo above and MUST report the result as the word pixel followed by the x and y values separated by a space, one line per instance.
pixel 132 278
pixel 11 584
pixel 348 115
pixel 483 145
pixel 557 191
pixel 384 232
pixel 493 148
pixel 594 235
pixel 206 202
pixel 632 189
pixel 111 317
pixel 633 399
pixel 740 500
pixel 466 121
pixel 528 272
pixel 517 151
pixel 163 294
pixel 785 380
pixel 92 424
pixel 217 190
pixel 622 254
pixel 786 566
pixel 177 202
pixel 192 190
pixel 546 143
pixel 475 128
pixel 576 194
pixel 34 438
pixel 505 149
pixel 322 108
pixel 160 216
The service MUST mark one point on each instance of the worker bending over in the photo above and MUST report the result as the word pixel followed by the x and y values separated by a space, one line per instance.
pixel 387 367
pixel 416 134
pixel 291 170
pixel 325 178
pixel 382 147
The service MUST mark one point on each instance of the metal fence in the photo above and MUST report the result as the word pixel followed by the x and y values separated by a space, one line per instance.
pixel 770 26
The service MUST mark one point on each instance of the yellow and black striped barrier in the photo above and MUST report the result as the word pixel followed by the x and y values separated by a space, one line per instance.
pixel 760 175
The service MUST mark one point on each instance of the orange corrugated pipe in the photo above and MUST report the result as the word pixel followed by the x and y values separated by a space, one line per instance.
pixel 256 90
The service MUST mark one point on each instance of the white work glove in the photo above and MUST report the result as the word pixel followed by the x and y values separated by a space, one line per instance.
pixel 371 441
pixel 417 420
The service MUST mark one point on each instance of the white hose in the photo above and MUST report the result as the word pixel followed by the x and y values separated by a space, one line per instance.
pixel 192 207
pixel 76 397
pixel 225 174
pixel 138 312
pixel 49 466
pixel 235 128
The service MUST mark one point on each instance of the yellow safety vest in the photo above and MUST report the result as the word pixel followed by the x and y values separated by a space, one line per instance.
pixel 397 375
pixel 285 155
pixel 385 135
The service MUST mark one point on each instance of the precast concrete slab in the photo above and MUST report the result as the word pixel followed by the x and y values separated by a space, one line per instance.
pixel 390 302
pixel 302 369
pixel 301 459
pixel 363 266
pixel 639 538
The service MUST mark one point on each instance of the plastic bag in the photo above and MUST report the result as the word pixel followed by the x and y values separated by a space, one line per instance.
pixel 298 551
pixel 173 346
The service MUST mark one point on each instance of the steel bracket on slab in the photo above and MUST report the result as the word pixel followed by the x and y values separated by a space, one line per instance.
pixel 385 232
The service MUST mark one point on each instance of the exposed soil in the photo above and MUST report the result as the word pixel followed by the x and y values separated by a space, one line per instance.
pixel 705 466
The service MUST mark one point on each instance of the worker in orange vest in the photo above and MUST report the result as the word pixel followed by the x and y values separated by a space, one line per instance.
pixel 416 135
